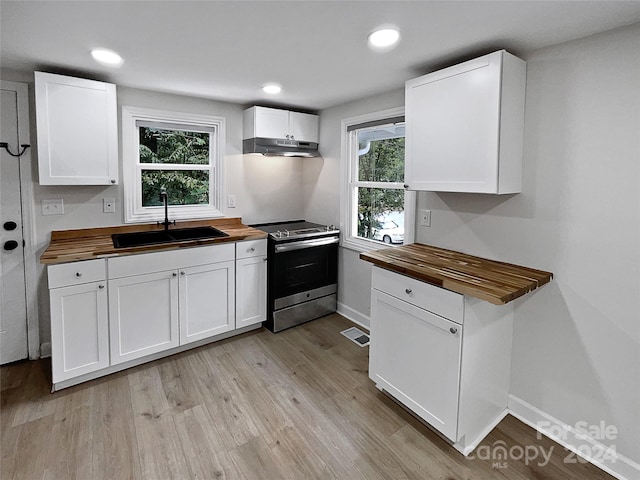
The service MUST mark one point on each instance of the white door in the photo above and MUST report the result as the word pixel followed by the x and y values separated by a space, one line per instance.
pixel 409 343
pixel 143 315
pixel 77 129
pixel 207 301
pixel 303 126
pixel 79 330
pixel 251 291
pixel 272 123
pixel 13 310
pixel 452 121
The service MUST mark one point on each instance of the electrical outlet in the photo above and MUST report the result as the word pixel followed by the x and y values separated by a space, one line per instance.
pixel 231 201
pixel 109 205
pixel 425 218
pixel 53 206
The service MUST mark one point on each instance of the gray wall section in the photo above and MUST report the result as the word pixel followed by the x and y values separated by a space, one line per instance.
pixel 321 190
pixel 577 345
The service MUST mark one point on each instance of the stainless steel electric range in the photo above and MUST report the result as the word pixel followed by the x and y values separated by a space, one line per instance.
pixel 302 272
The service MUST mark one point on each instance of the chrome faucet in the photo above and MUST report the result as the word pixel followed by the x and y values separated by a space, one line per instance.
pixel 164 198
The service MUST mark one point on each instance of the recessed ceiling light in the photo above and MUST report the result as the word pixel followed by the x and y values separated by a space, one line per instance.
pixel 271 88
pixel 384 38
pixel 107 57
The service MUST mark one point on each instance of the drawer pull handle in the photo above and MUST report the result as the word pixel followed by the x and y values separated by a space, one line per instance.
pixel 100 286
pixel 252 249
pixel 174 274
pixel 183 273
pixel 408 291
pixel 78 274
pixel 264 259
pixel 453 330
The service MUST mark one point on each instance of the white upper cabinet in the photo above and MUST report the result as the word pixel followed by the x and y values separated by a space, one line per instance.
pixel 464 127
pixel 266 122
pixel 77 123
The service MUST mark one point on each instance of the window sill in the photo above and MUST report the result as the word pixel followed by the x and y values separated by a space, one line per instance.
pixel 177 215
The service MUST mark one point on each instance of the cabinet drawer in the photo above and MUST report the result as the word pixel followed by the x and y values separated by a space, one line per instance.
pixel 438 300
pixel 251 248
pixel 76 273
pixel 130 265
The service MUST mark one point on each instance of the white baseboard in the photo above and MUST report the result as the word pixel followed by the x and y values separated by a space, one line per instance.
pixel 466 448
pixel 354 315
pixel 45 350
pixel 603 456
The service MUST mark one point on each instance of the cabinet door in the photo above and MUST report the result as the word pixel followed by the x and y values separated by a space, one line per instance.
pixel 271 123
pixel 251 291
pixel 452 128
pixel 143 315
pixel 77 131
pixel 303 127
pixel 79 330
pixel 415 356
pixel 207 301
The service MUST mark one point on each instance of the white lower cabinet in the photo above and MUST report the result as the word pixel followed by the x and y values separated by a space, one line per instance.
pixel 443 355
pixel 143 312
pixel 207 301
pixel 410 344
pixel 251 282
pixel 191 298
pixel 79 321
pixel 105 313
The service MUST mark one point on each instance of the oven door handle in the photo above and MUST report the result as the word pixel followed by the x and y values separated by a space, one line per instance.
pixel 318 242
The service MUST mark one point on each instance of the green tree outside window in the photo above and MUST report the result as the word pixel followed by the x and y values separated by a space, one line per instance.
pixel 174 147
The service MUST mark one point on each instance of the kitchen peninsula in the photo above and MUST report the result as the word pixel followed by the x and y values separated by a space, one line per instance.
pixel 441 335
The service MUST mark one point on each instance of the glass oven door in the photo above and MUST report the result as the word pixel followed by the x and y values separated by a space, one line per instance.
pixel 304 265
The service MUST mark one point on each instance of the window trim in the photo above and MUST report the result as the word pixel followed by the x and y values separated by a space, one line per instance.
pixel 346 201
pixel 134 212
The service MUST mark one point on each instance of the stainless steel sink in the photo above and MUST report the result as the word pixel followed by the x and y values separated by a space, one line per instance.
pixel 139 239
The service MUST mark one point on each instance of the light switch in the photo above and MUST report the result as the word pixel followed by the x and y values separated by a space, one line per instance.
pixel 53 206
pixel 231 201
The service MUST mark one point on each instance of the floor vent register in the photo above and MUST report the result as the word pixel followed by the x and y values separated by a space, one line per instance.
pixel 357 336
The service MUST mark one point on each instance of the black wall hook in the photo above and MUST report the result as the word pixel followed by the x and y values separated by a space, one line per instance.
pixel 5 145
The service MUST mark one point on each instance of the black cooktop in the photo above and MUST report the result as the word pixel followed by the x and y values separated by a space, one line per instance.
pixel 295 229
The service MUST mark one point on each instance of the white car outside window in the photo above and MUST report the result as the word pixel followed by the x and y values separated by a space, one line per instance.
pixel 389 232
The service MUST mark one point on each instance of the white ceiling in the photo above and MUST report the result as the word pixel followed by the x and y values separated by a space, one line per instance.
pixel 317 50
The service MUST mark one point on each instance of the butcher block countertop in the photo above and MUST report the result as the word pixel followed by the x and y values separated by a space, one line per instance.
pixel 90 243
pixel 489 280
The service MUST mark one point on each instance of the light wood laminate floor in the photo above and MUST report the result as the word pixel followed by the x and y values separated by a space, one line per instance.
pixel 296 405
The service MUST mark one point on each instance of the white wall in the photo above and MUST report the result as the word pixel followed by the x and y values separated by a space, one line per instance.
pixel 321 190
pixel 266 188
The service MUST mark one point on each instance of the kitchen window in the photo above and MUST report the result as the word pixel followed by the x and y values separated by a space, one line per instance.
pixel 376 209
pixel 179 152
